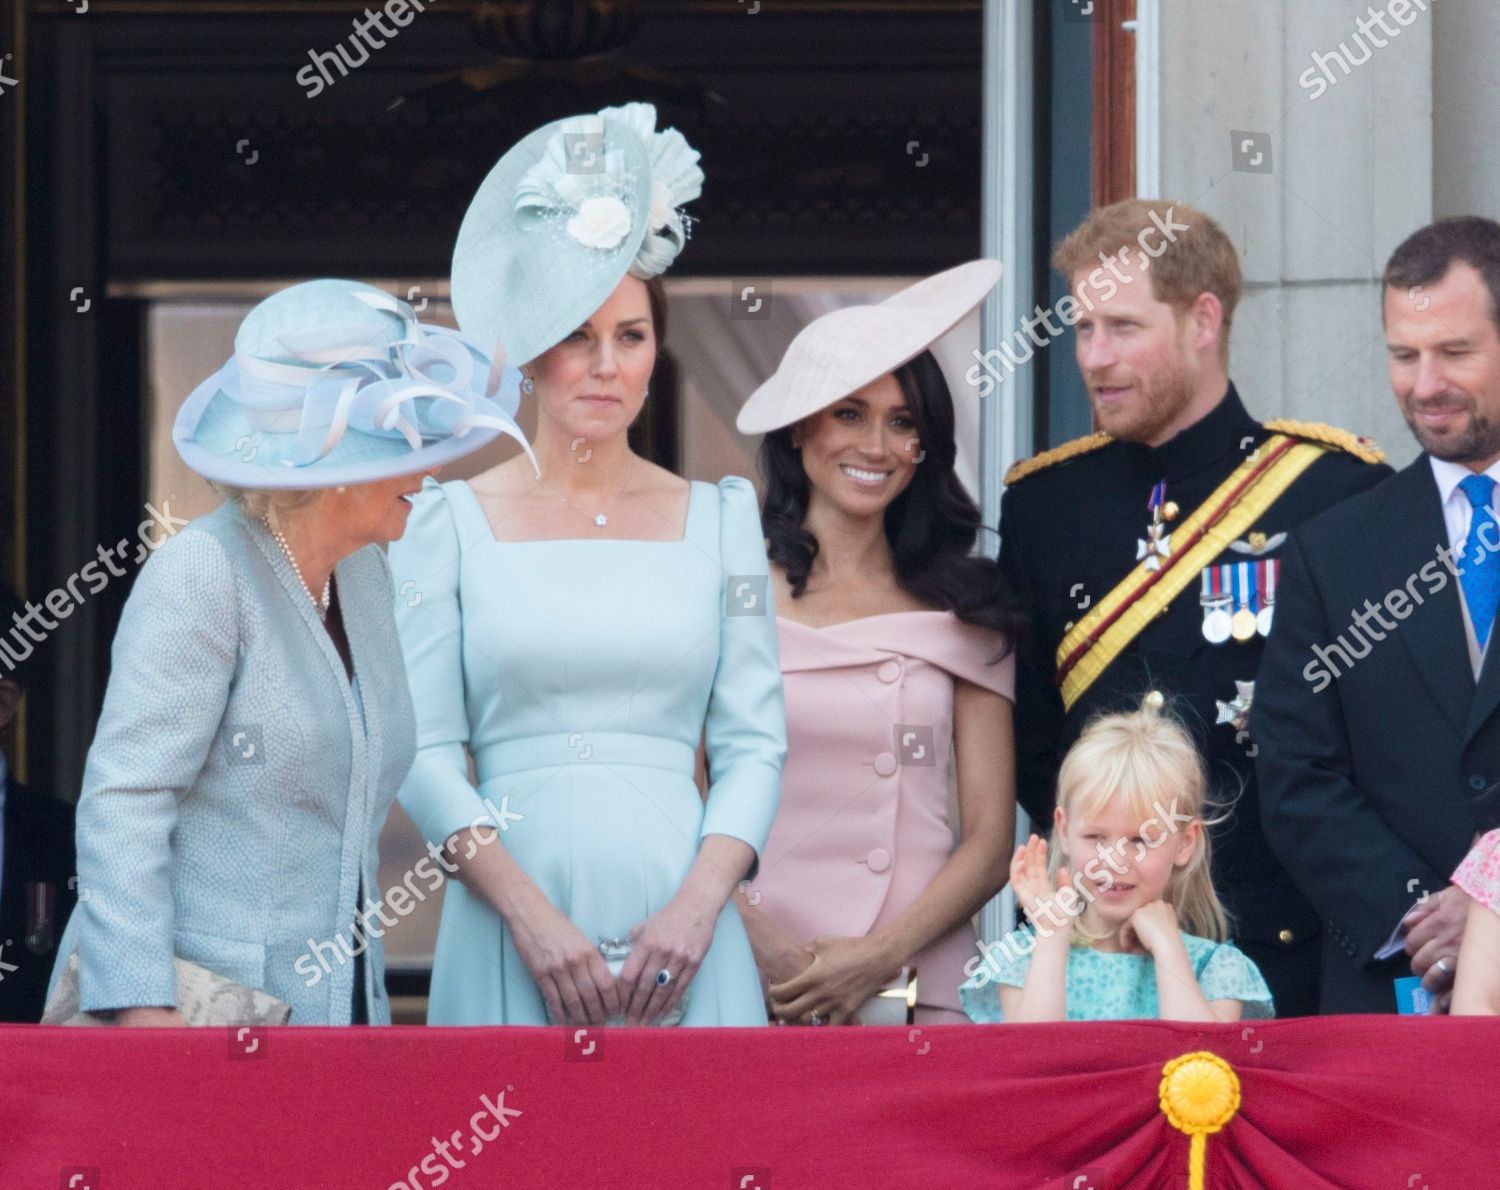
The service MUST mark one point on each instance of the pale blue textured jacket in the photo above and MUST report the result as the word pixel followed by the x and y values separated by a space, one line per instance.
pixel 232 801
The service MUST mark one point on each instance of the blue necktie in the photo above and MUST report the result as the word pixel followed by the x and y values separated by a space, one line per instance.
pixel 1481 563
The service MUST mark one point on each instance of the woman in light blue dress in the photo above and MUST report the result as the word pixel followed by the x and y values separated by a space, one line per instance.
pixel 580 631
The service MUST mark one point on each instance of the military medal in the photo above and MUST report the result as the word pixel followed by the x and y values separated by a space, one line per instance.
pixel 1242 626
pixel 1215 600
pixel 1268 570
pixel 1236 712
pixel 1157 544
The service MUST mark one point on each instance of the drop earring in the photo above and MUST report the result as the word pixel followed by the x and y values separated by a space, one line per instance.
pixel 528 385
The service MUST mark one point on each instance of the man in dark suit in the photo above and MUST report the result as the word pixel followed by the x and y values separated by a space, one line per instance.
pixel 1182 488
pixel 1376 709
pixel 37 884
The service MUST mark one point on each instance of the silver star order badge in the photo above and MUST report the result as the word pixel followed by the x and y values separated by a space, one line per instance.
pixel 1237 711
pixel 1156 547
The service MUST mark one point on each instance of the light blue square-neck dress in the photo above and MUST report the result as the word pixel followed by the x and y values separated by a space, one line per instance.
pixel 581 674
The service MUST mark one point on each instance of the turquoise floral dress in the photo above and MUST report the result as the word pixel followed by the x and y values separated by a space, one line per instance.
pixel 1104 986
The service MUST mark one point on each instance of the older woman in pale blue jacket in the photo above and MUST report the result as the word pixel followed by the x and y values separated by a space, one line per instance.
pixel 258 722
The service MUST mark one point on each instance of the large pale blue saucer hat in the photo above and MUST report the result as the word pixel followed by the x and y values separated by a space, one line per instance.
pixel 336 382
pixel 562 218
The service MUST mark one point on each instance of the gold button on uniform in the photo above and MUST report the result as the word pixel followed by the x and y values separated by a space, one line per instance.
pixel 1286 937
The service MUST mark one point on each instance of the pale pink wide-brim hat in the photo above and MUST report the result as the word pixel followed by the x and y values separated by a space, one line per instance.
pixel 846 349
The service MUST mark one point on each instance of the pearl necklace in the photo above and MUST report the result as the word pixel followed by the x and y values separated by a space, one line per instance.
pixel 319 605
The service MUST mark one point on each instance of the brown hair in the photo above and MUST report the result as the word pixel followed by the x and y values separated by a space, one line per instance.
pixel 656 293
pixel 1199 260
pixel 1425 256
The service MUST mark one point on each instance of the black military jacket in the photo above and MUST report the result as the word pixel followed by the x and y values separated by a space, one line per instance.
pixel 1071 521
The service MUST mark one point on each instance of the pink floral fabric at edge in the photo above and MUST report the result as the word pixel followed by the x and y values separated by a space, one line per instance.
pixel 1479 874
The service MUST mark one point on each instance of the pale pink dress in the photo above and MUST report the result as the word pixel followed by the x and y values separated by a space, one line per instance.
pixel 1479 874
pixel 863 829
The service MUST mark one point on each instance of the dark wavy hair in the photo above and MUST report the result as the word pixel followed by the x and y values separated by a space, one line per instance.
pixel 931 526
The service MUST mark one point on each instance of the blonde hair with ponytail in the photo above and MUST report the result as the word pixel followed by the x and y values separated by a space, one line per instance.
pixel 1147 758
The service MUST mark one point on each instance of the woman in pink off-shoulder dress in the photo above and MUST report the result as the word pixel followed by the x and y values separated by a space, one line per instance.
pixel 1476 978
pixel 896 667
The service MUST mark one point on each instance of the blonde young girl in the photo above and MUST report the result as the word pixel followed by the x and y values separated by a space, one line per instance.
pixel 1125 921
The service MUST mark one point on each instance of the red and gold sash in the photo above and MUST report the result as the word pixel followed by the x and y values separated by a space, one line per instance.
pixel 1088 648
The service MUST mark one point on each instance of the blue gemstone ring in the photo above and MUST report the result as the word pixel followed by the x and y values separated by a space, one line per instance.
pixel 663 977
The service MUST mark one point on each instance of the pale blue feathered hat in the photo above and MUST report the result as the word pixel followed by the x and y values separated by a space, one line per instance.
pixel 336 382
pixel 562 218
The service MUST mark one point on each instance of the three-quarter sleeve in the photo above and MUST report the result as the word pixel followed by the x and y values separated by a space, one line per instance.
pixel 745 731
pixel 425 569
pixel 172 667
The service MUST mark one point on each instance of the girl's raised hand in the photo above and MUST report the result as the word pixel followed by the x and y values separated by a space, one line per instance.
pixel 1028 876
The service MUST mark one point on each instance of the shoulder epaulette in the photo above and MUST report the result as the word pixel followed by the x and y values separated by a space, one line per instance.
pixel 1313 431
pixel 1058 454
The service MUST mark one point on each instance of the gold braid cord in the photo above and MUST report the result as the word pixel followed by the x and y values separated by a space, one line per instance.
pixel 1058 454
pixel 1315 431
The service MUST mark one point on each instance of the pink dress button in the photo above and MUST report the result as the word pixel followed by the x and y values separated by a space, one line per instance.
pixel 885 764
pixel 889 671
pixel 879 859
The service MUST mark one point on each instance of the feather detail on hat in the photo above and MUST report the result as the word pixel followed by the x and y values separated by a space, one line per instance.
pixel 675 179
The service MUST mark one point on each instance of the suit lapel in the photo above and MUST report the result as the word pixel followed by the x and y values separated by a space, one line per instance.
pixel 1409 534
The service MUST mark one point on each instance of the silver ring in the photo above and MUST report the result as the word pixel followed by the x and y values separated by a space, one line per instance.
pixel 1442 965
pixel 663 977
pixel 814 1019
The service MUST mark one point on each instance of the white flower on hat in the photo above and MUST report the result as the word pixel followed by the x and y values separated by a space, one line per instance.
pixel 601 222
pixel 675 179
pixel 594 204
pixel 662 206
